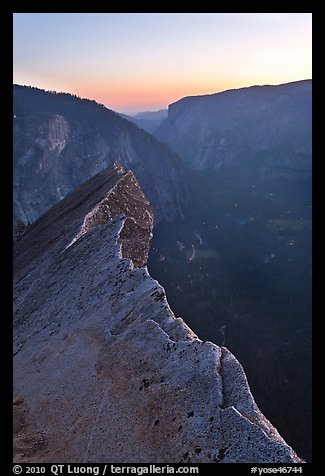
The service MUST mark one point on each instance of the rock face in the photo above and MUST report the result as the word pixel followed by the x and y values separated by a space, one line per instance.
pixel 266 128
pixel 103 371
pixel 60 141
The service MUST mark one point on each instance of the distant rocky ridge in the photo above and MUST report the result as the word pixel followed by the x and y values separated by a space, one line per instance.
pixel 262 130
pixel 148 120
pixel 60 140
pixel 103 371
pixel 159 114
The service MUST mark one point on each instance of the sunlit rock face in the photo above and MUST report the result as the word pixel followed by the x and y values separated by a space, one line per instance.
pixel 103 371
pixel 265 130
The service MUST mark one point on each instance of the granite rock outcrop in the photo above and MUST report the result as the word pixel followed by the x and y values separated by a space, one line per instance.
pixel 103 370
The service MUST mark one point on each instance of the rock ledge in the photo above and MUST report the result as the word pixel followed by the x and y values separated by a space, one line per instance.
pixel 103 371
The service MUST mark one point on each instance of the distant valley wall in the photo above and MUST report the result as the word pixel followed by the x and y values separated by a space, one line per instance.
pixel 264 131
pixel 59 141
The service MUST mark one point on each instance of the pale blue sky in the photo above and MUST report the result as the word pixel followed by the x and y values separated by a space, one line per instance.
pixel 140 61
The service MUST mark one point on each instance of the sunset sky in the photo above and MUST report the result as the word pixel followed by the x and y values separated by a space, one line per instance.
pixel 144 61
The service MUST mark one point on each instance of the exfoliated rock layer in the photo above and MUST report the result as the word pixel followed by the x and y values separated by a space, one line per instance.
pixel 103 371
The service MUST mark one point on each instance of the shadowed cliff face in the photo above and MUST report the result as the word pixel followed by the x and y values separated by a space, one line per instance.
pixel 263 132
pixel 103 371
pixel 60 141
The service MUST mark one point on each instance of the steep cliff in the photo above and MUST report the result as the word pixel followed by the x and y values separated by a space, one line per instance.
pixel 103 371
pixel 266 130
pixel 60 141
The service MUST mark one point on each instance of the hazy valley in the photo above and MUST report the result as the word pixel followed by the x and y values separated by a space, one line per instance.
pixel 239 268
pixel 228 177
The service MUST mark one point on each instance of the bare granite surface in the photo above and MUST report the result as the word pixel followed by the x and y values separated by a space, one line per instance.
pixel 103 371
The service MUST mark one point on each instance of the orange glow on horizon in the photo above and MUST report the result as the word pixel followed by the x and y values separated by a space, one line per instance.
pixel 146 96
pixel 131 98
pixel 132 62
